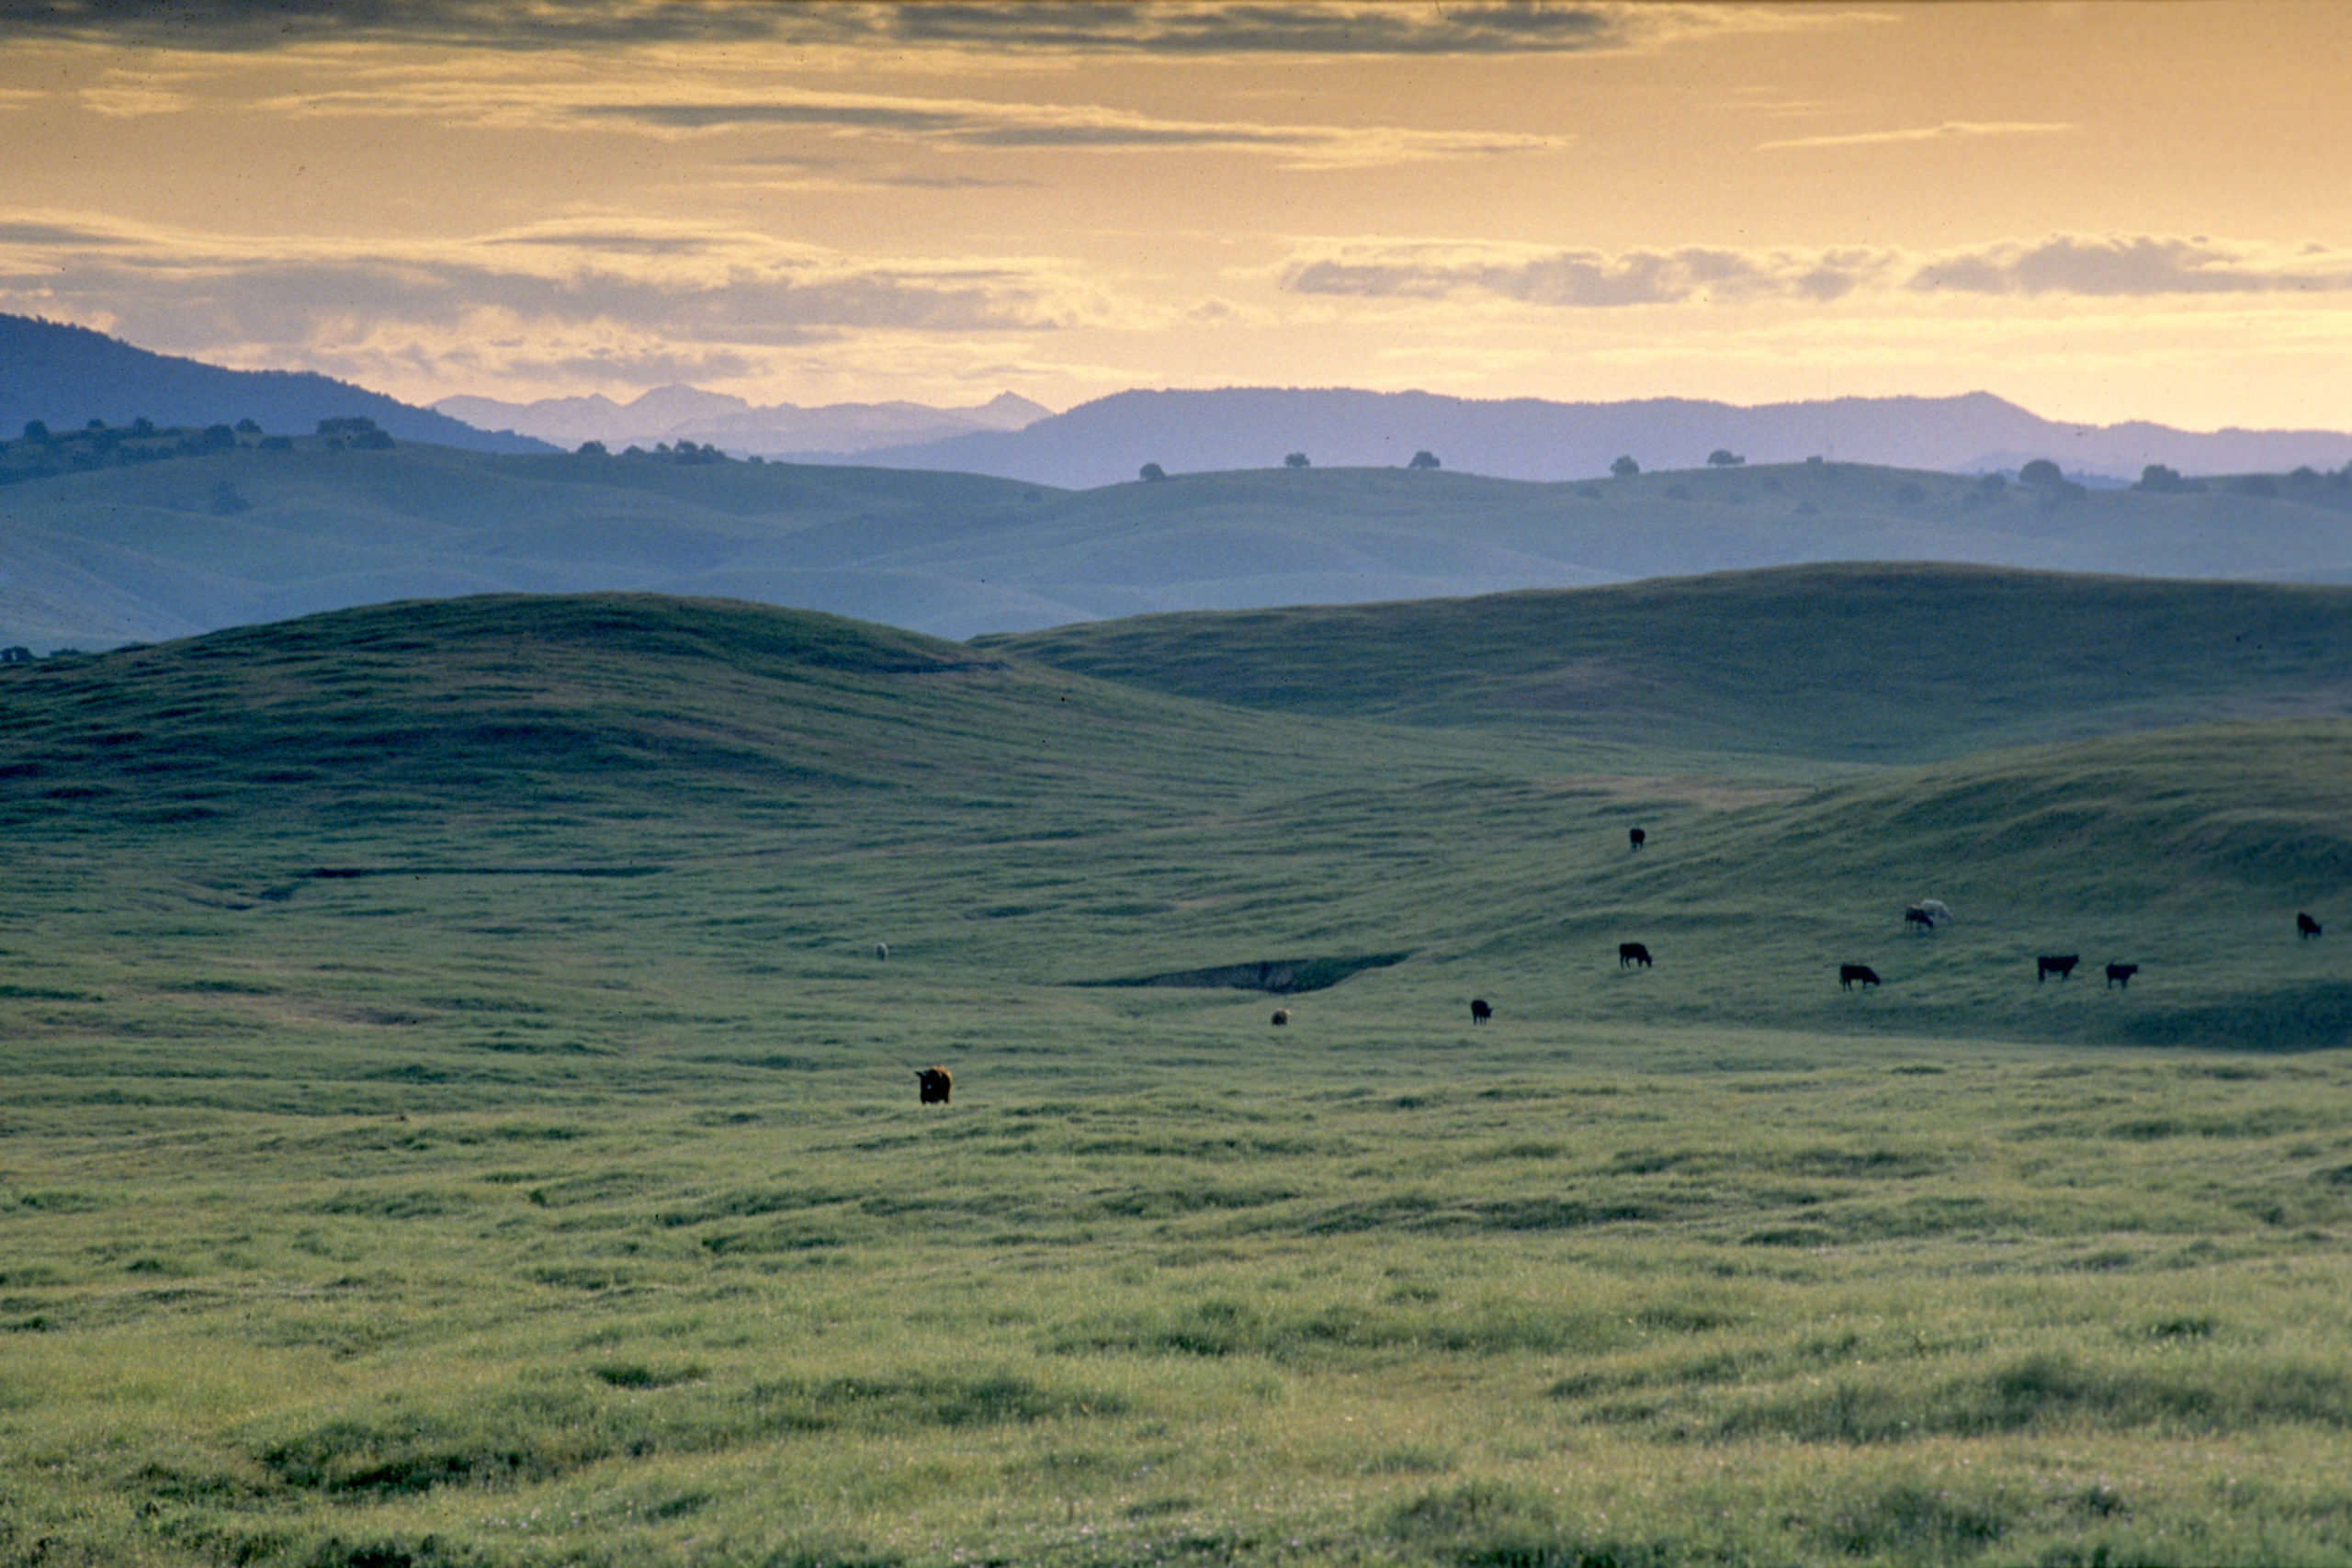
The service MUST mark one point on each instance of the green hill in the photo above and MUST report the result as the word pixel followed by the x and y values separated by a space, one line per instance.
pixel 1046 828
pixel 1852 662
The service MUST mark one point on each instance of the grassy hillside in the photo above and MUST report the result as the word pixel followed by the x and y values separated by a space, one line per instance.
pixel 1877 662
pixel 104 549
pixel 458 1115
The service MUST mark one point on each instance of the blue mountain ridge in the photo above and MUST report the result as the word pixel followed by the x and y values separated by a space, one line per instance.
pixel 66 376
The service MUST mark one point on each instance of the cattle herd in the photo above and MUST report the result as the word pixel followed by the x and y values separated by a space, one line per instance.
pixel 935 1083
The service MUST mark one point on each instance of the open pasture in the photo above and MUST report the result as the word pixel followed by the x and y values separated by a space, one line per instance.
pixel 457 1114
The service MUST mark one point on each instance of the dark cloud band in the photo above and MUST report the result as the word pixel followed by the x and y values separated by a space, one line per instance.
pixel 1046 27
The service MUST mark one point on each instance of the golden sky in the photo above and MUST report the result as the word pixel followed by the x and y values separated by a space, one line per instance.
pixel 2102 213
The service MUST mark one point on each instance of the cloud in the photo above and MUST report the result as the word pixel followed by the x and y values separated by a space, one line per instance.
pixel 994 126
pixel 1334 27
pixel 1581 278
pixel 613 292
pixel 1950 130
pixel 2059 265
pixel 2134 265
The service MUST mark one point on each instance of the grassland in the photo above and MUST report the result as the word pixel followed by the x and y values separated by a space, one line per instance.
pixel 456 1113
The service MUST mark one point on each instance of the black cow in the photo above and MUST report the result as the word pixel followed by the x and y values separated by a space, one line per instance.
pixel 1281 1018
pixel 1636 837
pixel 1632 952
pixel 936 1084
pixel 1915 915
pixel 1479 1011
pixel 2305 926
pixel 2121 974
pixel 1847 974
pixel 2061 965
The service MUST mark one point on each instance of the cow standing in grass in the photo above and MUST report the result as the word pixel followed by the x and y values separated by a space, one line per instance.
pixel 1479 1011
pixel 2305 926
pixel 1918 916
pixel 934 1084
pixel 1636 837
pixel 1851 974
pixel 2059 963
pixel 1630 954
pixel 2121 974
pixel 1281 1016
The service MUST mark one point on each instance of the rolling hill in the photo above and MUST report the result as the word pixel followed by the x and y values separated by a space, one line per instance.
pixel 99 553
pixel 1846 663
pixel 733 770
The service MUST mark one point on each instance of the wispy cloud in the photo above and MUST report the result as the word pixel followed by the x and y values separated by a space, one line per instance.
pixel 1950 130
pixel 1580 278
pixel 971 124
pixel 2108 265
pixel 2064 264
pixel 1336 27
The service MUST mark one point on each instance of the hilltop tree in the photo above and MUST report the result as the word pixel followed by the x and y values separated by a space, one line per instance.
pixel 1424 459
pixel 1625 467
pixel 36 429
pixel 1722 458
pixel 2040 471
pixel 1154 473
pixel 1295 460
pixel 248 426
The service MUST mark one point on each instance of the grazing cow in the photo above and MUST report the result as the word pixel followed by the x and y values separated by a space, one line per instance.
pixel 1637 837
pixel 1632 952
pixel 1937 910
pixel 1849 974
pixel 2305 926
pixel 1479 1011
pixel 1281 1016
pixel 1916 915
pixel 2121 974
pixel 2061 965
pixel 936 1084
pixel 881 950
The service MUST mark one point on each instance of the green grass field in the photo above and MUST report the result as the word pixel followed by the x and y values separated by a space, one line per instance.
pixel 456 1113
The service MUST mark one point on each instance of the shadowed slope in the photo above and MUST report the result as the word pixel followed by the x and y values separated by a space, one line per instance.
pixel 1857 663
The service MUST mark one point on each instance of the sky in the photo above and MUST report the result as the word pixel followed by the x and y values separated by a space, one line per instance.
pixel 2102 213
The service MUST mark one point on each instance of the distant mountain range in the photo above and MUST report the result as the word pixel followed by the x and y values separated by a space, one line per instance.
pixel 670 414
pixel 1109 440
pixel 67 376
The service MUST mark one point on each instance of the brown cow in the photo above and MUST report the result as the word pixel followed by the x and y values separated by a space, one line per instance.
pixel 937 1084
pixel 1281 1016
